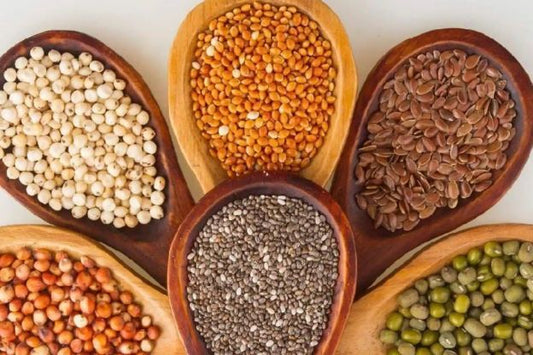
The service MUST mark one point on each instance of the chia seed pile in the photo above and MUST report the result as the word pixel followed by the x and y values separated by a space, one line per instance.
pixel 262 274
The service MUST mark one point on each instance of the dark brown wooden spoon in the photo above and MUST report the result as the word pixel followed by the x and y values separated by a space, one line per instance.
pixel 257 184
pixel 378 248
pixel 147 245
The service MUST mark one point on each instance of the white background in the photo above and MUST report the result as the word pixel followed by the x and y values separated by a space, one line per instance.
pixel 142 32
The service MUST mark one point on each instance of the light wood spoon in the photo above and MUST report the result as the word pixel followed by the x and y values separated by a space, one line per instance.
pixel 368 315
pixel 147 245
pixel 153 301
pixel 206 168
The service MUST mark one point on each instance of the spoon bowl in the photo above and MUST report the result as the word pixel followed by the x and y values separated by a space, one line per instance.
pixel 368 315
pixel 145 244
pixel 379 248
pixel 153 301
pixel 206 168
pixel 260 184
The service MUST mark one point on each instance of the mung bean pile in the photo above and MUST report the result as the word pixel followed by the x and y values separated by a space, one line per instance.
pixel 481 303
pixel 263 83
pixel 262 274
pixel 444 123
pixel 76 141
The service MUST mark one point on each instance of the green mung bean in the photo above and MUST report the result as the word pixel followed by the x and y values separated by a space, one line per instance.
pixel 480 303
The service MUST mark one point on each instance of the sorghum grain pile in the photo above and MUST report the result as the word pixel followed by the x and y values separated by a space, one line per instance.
pixel 51 303
pixel 263 82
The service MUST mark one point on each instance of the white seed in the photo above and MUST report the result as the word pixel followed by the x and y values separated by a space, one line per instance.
pixel 156 212
pixel 144 217
pixel 131 221
pixel 119 84
pixel 44 196
pixel 119 223
pixel 12 173
pixel 21 163
pixel 26 178
pixel 143 118
pixel 159 183
pixel 56 149
pixel 55 204
pixel 104 91
pixel 10 75
pixel 32 189
pixel 65 67
pixel 26 75
pixel 96 66
pixel 80 321
pixel 10 114
pixel 123 194
pixel 121 211
pixel 107 217
pixel 16 97
pixel 37 53
pixel 223 130
pixel 253 115
pixel 94 214
pixel 157 198
pixel 108 205
pixel 210 51
pixel 21 62
pixel 79 212
pixel 79 199
pixel 149 147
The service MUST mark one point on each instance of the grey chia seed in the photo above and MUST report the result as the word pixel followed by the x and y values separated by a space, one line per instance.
pixel 262 274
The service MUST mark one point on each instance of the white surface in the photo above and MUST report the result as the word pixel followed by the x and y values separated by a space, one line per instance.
pixel 142 32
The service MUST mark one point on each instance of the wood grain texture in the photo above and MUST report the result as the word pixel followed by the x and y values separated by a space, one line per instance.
pixel 153 301
pixel 378 248
pixel 368 315
pixel 147 245
pixel 206 168
pixel 256 184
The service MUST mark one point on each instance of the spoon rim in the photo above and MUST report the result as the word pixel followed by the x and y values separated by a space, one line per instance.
pixel 258 184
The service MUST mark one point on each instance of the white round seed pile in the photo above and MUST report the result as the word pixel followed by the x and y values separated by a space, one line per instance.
pixel 70 134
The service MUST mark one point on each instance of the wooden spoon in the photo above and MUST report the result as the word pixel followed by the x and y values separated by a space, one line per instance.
pixel 257 184
pixel 147 245
pixel 206 168
pixel 154 302
pixel 378 248
pixel 368 315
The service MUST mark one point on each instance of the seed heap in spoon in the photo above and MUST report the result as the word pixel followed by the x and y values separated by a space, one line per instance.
pixel 71 135
pixel 263 83
pixel 440 134
pixel 262 275
pixel 51 303
pixel 481 303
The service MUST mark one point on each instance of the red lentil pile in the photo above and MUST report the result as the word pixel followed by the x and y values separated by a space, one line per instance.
pixel 53 304
pixel 263 83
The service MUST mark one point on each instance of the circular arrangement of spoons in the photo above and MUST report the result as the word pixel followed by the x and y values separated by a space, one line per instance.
pixel 379 248
pixel 145 244
pixel 206 168
pixel 262 184
pixel 163 247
